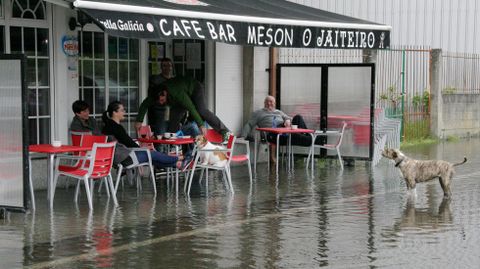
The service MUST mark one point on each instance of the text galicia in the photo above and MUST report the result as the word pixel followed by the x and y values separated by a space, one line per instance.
pixel 123 25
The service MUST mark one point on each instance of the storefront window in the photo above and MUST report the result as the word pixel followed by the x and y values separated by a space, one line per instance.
pixel 33 42
pixel 92 71
pixel 121 65
pixel 28 9
pixel 123 76
pixel 156 51
pixel 189 58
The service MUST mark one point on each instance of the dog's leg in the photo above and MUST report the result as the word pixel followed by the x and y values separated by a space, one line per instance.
pixel 410 183
pixel 445 183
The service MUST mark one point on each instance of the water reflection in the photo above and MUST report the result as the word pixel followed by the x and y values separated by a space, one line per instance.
pixel 432 218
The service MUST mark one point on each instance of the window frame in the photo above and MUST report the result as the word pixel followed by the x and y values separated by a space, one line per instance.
pixel 8 21
pixel 130 116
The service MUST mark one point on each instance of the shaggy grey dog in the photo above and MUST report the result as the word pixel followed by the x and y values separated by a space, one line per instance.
pixel 416 171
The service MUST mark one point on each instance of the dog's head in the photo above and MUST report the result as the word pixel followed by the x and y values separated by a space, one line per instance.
pixel 392 154
pixel 201 141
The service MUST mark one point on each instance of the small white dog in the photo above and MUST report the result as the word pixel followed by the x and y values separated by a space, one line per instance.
pixel 215 158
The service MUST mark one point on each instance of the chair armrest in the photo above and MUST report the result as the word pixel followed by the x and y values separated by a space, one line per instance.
pixel 73 157
pixel 66 157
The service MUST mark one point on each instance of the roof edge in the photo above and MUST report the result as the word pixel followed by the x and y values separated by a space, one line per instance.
pixel 222 17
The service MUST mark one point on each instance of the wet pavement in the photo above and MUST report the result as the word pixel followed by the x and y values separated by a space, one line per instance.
pixel 362 217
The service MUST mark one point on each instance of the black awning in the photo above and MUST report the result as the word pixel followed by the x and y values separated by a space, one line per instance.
pixel 270 23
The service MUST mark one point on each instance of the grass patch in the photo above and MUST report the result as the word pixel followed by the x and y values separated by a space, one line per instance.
pixel 452 138
pixel 416 130
pixel 419 142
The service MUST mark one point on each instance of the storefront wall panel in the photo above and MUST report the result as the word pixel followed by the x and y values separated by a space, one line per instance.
pixel 229 85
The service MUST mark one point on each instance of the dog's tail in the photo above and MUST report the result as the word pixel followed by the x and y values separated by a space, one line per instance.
pixel 464 161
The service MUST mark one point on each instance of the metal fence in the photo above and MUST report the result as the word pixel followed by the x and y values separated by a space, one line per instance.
pixel 460 73
pixel 402 85
pixel 403 88
pixel 319 56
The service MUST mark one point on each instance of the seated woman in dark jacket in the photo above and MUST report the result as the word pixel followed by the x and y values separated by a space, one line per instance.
pixel 112 117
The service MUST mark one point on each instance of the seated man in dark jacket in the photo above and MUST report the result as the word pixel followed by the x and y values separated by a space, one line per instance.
pixel 82 122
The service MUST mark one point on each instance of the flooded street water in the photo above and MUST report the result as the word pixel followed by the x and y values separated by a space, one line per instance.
pixel 362 217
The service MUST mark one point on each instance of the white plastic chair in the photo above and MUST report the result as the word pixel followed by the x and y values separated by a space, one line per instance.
pixel 136 164
pixel 225 169
pixel 335 146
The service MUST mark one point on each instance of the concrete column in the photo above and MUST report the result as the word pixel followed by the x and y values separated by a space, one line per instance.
pixel 370 56
pixel 436 101
pixel 248 81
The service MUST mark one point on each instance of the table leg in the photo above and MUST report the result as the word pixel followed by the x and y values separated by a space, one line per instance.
pixel 278 146
pixel 177 152
pixel 32 194
pixel 51 158
pixel 255 155
pixel 290 152
pixel 312 149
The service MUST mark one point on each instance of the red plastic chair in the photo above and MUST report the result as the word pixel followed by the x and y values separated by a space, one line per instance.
pixel 86 140
pixel 99 167
pixel 213 136
pixel 145 132
pixel 76 137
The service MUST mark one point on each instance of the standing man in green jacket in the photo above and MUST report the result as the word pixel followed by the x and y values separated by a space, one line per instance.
pixel 189 94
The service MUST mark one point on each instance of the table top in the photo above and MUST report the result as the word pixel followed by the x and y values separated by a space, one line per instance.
pixel 176 141
pixel 48 148
pixel 286 130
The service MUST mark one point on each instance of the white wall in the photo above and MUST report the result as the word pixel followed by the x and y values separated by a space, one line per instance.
pixel 261 76
pixel 64 82
pixel 450 25
pixel 229 85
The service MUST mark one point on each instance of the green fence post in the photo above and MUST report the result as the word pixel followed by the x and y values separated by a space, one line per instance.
pixel 403 95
